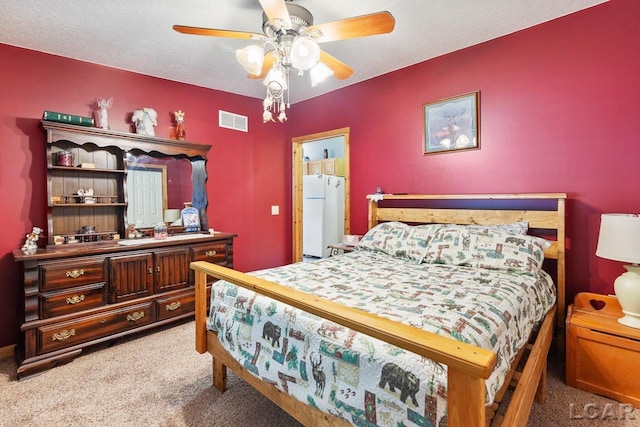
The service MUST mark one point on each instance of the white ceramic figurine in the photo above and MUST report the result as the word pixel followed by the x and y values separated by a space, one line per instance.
pixel 31 244
pixel 144 120
pixel 101 113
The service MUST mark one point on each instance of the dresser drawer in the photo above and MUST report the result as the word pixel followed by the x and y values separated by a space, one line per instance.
pixel 175 305
pixel 215 253
pixel 71 274
pixel 78 299
pixel 66 334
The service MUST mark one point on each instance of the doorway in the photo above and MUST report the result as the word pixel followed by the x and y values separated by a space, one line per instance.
pixel 298 163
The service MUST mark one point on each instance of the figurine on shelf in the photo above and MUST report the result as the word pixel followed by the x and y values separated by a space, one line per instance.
pixel 86 196
pixel 101 112
pixel 180 132
pixel 31 244
pixel 144 120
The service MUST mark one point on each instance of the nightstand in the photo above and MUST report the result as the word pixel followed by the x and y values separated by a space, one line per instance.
pixel 603 356
pixel 340 248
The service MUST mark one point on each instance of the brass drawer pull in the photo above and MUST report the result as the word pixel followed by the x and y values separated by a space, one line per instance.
pixel 210 253
pixel 63 335
pixel 173 306
pixel 75 299
pixel 74 274
pixel 150 270
pixel 135 316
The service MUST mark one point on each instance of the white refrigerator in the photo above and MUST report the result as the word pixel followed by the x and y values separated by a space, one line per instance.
pixel 322 213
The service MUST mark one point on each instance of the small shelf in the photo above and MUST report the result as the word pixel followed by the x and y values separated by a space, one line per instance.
pixel 85 205
pixel 79 238
pixel 77 200
pixel 90 170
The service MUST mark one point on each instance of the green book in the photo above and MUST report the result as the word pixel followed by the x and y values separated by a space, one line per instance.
pixel 67 118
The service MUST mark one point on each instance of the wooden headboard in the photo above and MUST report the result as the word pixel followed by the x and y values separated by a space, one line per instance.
pixel 545 213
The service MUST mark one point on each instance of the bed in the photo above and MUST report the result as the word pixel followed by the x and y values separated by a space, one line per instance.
pixel 352 314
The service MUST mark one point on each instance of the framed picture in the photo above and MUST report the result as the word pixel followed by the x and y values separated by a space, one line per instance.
pixel 452 124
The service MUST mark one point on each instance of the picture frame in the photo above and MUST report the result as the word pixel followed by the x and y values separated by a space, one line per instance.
pixel 452 124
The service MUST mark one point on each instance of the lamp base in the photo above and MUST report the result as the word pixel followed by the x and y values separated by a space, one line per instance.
pixel 631 321
pixel 627 287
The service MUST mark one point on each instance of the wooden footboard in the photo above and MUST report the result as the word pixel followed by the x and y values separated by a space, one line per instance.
pixel 468 366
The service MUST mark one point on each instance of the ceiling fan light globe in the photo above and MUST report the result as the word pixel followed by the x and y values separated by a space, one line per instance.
pixel 319 73
pixel 304 53
pixel 251 58
pixel 276 78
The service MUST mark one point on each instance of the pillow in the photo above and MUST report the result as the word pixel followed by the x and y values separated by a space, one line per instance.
pixel 399 240
pixel 495 250
pixel 520 227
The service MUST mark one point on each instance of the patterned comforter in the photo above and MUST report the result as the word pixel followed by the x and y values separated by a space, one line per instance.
pixel 361 379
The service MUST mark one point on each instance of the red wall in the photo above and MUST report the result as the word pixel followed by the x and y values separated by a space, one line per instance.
pixel 556 116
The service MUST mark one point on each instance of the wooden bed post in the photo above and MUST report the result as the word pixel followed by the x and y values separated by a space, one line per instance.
pixel 219 375
pixel 561 263
pixel 201 311
pixel 373 215
pixel 561 277
pixel 465 399
pixel 219 369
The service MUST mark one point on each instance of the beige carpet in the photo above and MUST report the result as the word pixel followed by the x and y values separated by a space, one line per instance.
pixel 158 379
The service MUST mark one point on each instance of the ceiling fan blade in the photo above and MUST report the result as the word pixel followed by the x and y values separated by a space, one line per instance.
pixel 218 33
pixel 269 60
pixel 340 70
pixel 276 11
pixel 351 28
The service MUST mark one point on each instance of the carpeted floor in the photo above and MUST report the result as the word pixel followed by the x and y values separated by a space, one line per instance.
pixel 158 379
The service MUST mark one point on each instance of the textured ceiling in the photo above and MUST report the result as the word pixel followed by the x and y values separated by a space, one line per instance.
pixel 138 35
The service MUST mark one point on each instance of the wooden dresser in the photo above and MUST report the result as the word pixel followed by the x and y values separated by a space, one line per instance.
pixel 603 356
pixel 80 297
pixel 101 276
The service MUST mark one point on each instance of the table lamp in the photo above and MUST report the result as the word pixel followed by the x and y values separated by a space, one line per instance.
pixel 171 216
pixel 619 240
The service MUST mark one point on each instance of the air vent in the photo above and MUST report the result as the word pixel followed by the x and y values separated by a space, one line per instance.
pixel 233 121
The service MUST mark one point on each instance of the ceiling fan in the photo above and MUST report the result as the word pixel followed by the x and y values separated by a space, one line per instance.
pixel 290 42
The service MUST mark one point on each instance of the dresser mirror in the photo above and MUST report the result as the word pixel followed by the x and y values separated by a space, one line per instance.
pixel 157 188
